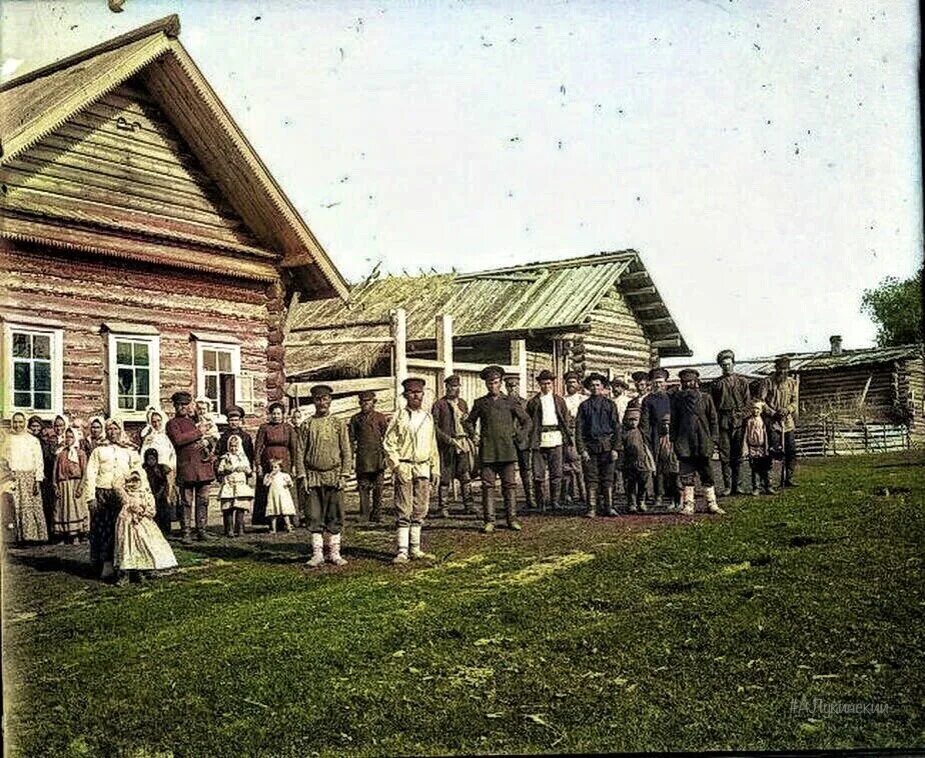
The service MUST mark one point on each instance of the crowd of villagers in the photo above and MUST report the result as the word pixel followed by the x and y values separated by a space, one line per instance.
pixel 597 445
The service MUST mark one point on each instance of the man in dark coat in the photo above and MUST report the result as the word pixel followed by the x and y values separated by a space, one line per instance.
pixel 655 406
pixel 694 429
pixel 235 428
pixel 641 382
pixel 522 439
pixel 550 437
pixel 195 470
pixel 598 438
pixel 779 392
pixel 732 399
pixel 455 446
pixel 367 430
pixel 497 417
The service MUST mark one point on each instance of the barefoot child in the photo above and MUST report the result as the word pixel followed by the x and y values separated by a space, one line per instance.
pixel 140 546
pixel 279 496
pixel 235 495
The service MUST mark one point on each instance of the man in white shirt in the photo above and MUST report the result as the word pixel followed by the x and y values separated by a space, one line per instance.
pixel 410 445
pixel 574 476
pixel 620 399
pixel 550 436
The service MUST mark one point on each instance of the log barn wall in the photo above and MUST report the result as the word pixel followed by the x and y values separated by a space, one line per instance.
pixel 80 294
pixel 617 340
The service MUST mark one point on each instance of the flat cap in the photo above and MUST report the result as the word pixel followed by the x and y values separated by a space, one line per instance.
pixel 595 376
pixel 235 410
pixel 453 380
pixel 782 362
pixel 320 390
pixel 490 372
pixel 632 413
pixel 688 373
pixel 367 395
pixel 618 382
pixel 545 376
pixel 413 383
pixel 571 375
pixel 181 398
pixel 658 373
pixel 724 354
pixel 640 376
pixel 511 378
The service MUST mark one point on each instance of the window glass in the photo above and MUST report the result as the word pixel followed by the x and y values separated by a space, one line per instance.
pixel 208 360
pixel 41 378
pixel 41 346
pixel 43 401
pixel 141 353
pixel 22 345
pixel 22 379
pixel 224 362
pixel 212 387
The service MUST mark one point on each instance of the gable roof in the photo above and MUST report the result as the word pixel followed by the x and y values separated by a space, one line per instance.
pixel 518 301
pixel 37 103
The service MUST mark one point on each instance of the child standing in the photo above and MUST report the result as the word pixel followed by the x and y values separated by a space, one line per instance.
pixel 159 483
pixel 71 519
pixel 279 496
pixel 140 546
pixel 756 447
pixel 667 468
pixel 638 464
pixel 235 495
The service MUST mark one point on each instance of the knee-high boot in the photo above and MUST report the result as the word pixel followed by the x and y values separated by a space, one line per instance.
pixel 510 509
pixel 227 519
pixel 592 501
pixel 443 495
pixel 539 496
pixel 488 509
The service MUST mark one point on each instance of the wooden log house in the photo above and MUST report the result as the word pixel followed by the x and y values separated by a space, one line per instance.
pixel 592 313
pixel 144 246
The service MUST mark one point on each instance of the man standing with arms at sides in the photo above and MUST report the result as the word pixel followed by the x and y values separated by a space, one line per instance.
pixel 323 470
pixel 411 448
pixel 655 406
pixel 574 476
pixel 779 393
pixel 522 440
pixel 694 428
pixel 367 429
pixel 618 388
pixel 550 436
pixel 641 382
pixel 456 454
pixel 732 399
pixel 195 471
pixel 599 440
pixel 497 416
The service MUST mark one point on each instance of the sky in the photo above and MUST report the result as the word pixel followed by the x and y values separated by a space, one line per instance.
pixel 762 157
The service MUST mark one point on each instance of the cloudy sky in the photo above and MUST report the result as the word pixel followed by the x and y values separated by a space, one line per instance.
pixel 763 157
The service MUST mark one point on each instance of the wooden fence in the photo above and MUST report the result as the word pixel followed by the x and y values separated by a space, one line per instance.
pixel 831 438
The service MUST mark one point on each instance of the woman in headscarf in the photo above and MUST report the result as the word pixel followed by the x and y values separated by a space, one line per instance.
pixel 22 452
pixel 154 436
pixel 47 442
pixel 278 440
pixel 72 520
pixel 97 432
pixel 108 465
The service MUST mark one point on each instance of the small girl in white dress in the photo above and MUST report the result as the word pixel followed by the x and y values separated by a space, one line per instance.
pixel 279 496
pixel 235 495
pixel 140 545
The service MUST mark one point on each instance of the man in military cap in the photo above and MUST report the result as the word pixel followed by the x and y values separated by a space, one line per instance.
pixel 195 472
pixel 572 468
pixel 655 405
pixel 598 438
pixel 235 415
pixel 641 383
pixel 732 398
pixel 522 439
pixel 694 428
pixel 456 451
pixel 367 429
pixel 497 417
pixel 779 392
pixel 550 435
pixel 323 471
pixel 410 445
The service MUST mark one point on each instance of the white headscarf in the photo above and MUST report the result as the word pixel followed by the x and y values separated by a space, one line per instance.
pixel 73 450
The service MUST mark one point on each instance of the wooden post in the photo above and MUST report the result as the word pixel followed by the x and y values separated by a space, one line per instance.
pixel 444 327
pixel 400 355
pixel 519 359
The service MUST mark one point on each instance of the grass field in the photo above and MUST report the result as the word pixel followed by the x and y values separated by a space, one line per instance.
pixel 747 631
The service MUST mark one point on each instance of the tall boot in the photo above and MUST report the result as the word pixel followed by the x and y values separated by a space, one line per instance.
pixel 631 501
pixel 202 516
pixel 402 539
pixel 186 521
pixel 727 479
pixel 755 478
pixel 415 550
pixel 709 494
pixel 364 494
pixel 539 496
pixel 526 478
pixel 592 501
pixel 488 509
pixel 608 502
pixel 510 509
pixel 790 468
pixel 317 550
pixel 689 506
pixel 239 522
pixel 443 495
pixel 468 505
pixel 227 517
pixel 736 474
pixel 376 498
pixel 556 488
pixel 334 555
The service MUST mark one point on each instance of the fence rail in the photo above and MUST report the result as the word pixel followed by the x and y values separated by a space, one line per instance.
pixel 829 438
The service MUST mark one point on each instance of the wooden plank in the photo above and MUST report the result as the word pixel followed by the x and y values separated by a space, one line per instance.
pixel 639 291
pixel 343 325
pixel 342 386
pixel 340 341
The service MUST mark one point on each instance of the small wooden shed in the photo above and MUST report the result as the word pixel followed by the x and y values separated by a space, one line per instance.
pixel 144 246
pixel 598 312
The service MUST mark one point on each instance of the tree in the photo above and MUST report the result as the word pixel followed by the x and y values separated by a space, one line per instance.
pixel 895 307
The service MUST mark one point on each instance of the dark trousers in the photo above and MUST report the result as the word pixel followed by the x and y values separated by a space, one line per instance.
pixel 599 470
pixel 729 446
pixel 636 484
pixel 369 486
pixel 668 484
pixel 525 466
pixel 103 526
pixel 507 470
pixel 761 472
pixel 699 465
pixel 548 459
pixel 325 509
pixel 453 465
pixel 195 496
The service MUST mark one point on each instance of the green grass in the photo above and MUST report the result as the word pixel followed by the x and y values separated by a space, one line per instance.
pixel 626 634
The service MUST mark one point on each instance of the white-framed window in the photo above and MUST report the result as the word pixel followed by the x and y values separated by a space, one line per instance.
pixel 134 373
pixel 218 372
pixel 32 368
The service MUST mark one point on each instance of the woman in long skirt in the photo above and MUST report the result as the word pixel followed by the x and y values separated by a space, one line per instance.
pixel 72 519
pixel 23 454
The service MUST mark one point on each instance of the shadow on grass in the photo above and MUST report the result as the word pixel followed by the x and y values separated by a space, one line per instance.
pixel 46 563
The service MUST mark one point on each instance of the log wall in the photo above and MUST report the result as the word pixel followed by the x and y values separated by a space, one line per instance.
pixel 835 393
pixel 617 340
